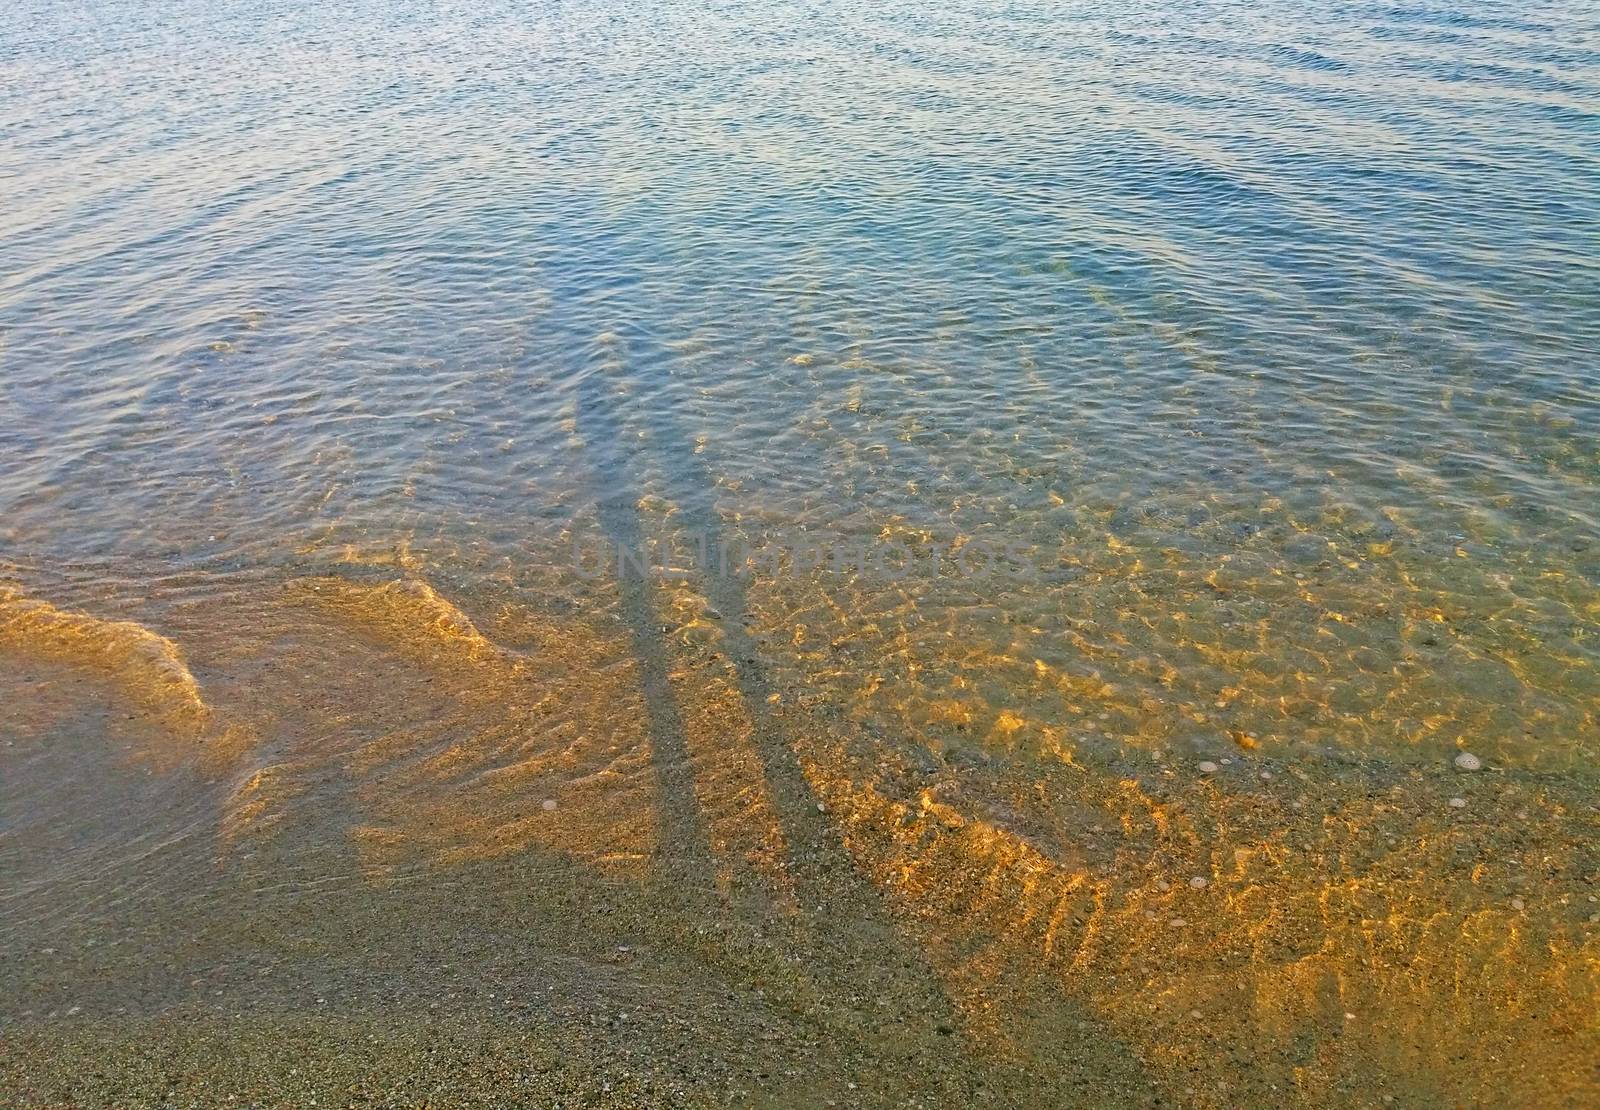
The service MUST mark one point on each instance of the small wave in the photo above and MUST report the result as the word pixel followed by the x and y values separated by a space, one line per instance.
pixel 1306 59
pixel 147 665
pixel 410 614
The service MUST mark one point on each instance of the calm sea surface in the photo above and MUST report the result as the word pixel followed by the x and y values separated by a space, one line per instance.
pixel 1012 407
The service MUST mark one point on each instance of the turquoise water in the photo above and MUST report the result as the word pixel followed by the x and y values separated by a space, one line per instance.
pixel 1265 334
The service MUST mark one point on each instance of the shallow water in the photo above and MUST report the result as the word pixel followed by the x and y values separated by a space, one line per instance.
pixel 1012 408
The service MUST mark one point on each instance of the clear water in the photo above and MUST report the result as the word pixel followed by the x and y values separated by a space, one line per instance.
pixel 1265 335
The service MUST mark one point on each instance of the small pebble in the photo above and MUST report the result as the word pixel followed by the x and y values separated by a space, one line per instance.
pixel 549 804
pixel 1458 803
pixel 1517 903
pixel 1466 761
pixel 1207 767
pixel 1198 882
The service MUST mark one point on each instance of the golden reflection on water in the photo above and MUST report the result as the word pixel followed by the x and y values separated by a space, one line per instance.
pixel 542 745
pixel 1353 644
pixel 147 667
pixel 1328 929
pixel 1224 932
